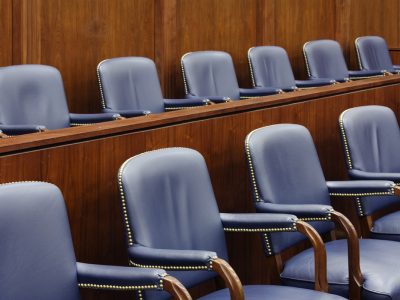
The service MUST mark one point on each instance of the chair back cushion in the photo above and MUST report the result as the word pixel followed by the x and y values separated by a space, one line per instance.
pixel 373 53
pixel 37 259
pixel 33 95
pixel 270 67
pixel 210 73
pixel 371 138
pixel 285 169
pixel 130 83
pixel 324 59
pixel 170 204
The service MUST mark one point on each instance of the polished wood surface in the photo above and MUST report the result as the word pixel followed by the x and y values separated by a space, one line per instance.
pixel 353 249
pixel 230 278
pixel 175 288
pixel 75 35
pixel 320 263
pixel 84 161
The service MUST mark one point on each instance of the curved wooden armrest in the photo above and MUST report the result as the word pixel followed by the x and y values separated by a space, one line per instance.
pixel 232 281
pixel 321 277
pixel 175 288
pixel 353 246
pixel 397 190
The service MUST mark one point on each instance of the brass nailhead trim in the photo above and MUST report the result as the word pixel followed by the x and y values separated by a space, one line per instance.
pixel 251 167
pixel 267 244
pixel 306 59
pixel 81 124
pixel 390 193
pixel 179 268
pixel 185 84
pixel 359 207
pixel 118 287
pixel 180 107
pixel 358 53
pixel 103 101
pixel 251 67
pixel 282 229
pixel 327 218
pixel 345 143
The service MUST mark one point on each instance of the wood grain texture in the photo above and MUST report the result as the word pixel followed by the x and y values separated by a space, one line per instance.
pixel 76 35
pixel 85 169
pixel 366 17
pixel 6 32
pixel 297 22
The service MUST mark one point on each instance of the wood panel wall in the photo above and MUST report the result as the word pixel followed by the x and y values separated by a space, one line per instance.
pixel 75 35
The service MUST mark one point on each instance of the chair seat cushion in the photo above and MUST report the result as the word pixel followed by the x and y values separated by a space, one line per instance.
pixel 273 292
pixel 388 224
pixel 380 267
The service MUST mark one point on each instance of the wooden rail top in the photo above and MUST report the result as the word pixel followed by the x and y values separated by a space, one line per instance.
pixel 58 137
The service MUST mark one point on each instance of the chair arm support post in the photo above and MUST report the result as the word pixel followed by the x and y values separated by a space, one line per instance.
pixel 353 246
pixel 232 281
pixel 396 190
pixel 175 288
pixel 321 277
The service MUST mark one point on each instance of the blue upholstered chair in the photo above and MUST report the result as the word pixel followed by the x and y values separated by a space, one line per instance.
pixel 32 99
pixel 37 259
pixel 324 59
pixel 371 140
pixel 287 178
pixel 172 220
pixel 130 87
pixel 211 74
pixel 270 67
pixel 373 54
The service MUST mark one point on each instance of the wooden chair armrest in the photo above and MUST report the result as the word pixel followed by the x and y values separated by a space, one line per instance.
pixel 321 279
pixel 232 281
pixel 175 288
pixel 353 246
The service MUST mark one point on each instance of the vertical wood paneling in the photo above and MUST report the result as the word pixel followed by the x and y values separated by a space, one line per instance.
pixel 367 17
pixel 299 21
pixel 226 25
pixel 6 32
pixel 75 35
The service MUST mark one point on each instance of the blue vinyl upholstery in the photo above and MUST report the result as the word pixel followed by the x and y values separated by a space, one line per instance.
pixel 270 67
pixel 130 86
pixel 371 140
pixel 37 259
pixel 285 170
pixel 269 156
pixel 172 219
pixel 32 98
pixel 373 54
pixel 211 74
pixel 324 59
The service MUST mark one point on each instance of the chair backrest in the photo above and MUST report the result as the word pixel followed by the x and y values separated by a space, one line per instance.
pixel 33 95
pixel 371 139
pixel 285 169
pixel 270 67
pixel 130 83
pixel 37 259
pixel 170 204
pixel 373 53
pixel 324 59
pixel 210 73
